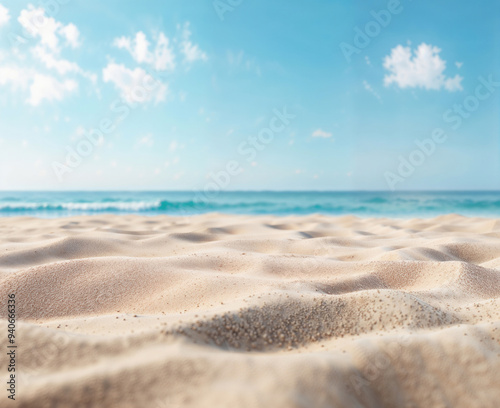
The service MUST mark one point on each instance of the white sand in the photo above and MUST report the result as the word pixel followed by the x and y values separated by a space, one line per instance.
pixel 239 311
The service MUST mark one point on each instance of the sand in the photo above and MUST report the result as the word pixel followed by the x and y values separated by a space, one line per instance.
pixel 252 311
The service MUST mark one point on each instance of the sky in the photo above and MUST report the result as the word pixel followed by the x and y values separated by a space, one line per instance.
pixel 250 95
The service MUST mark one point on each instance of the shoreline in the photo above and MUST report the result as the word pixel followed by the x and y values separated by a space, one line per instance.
pixel 252 215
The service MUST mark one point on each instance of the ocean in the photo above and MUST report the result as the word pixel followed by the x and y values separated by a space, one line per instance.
pixel 181 203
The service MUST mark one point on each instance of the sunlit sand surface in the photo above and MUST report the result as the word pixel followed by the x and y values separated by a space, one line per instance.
pixel 254 311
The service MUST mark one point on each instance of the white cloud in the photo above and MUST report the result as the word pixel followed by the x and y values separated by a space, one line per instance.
pixel 49 37
pixel 162 58
pixel 40 86
pixel 16 77
pixel 4 15
pixel 191 52
pixel 49 31
pixel 321 133
pixel 122 42
pixel 49 88
pixel 164 55
pixel 46 28
pixel 72 35
pixel 159 54
pixel 459 64
pixel 134 85
pixel 62 66
pixel 138 47
pixel 425 69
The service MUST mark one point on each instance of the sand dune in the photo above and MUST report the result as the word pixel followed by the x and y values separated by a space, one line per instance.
pixel 253 311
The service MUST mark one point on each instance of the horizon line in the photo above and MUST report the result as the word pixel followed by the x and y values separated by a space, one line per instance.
pixel 252 191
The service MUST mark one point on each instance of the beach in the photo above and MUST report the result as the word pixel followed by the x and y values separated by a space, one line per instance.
pixel 220 310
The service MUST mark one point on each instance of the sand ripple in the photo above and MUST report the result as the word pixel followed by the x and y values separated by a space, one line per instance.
pixel 224 311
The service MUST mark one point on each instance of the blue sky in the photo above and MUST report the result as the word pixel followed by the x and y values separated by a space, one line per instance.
pixel 216 75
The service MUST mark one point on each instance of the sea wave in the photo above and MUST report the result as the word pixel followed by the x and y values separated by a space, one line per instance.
pixel 128 206
pixel 164 206
pixel 261 203
pixel 76 206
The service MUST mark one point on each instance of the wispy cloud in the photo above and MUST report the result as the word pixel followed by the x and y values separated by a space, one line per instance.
pixel 146 141
pixel 61 65
pixel 158 53
pixel 240 60
pixel 370 89
pixel 161 58
pixel 50 37
pixel 321 134
pixel 135 85
pixel 191 51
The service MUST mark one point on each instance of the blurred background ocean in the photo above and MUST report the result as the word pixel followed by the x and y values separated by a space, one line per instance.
pixel 181 203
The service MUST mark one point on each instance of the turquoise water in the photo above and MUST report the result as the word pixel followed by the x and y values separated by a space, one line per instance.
pixel 364 204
